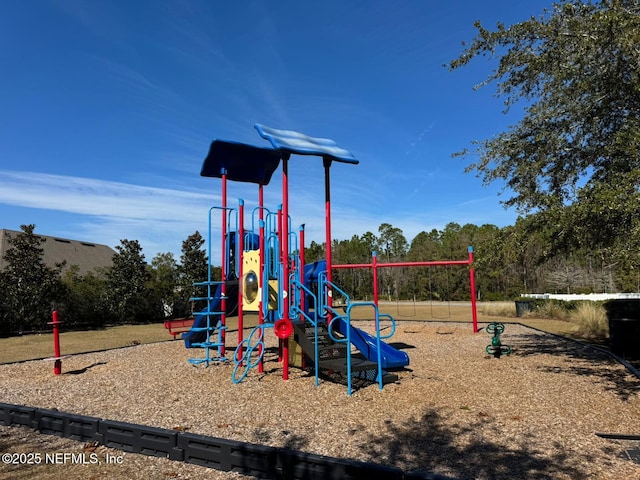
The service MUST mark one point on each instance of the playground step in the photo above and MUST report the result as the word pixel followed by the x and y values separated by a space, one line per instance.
pixel 389 377
pixel 332 356
pixel 334 351
pixel 358 364
pixel 206 345
pixel 327 349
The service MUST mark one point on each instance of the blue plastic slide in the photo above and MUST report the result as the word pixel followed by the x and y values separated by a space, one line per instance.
pixel 200 320
pixel 312 271
pixel 366 343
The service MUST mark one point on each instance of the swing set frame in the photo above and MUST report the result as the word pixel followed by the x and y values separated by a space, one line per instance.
pixel 375 265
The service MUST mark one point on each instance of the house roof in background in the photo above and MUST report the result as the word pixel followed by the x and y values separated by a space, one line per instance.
pixel 87 255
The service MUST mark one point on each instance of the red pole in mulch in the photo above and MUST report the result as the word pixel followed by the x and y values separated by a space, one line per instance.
pixel 57 365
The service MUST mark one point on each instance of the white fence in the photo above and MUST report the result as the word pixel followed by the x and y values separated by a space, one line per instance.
pixel 595 297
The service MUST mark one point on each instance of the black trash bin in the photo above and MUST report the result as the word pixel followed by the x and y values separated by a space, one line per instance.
pixel 523 307
pixel 624 327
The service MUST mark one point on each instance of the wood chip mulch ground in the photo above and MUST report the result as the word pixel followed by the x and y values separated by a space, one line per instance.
pixel 456 411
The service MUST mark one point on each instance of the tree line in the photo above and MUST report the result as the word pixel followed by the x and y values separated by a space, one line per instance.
pixel 508 261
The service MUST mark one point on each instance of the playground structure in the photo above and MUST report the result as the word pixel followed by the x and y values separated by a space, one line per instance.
pixel 263 271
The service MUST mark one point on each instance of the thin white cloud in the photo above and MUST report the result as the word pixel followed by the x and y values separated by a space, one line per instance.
pixel 141 86
pixel 161 218
pixel 107 212
pixel 100 198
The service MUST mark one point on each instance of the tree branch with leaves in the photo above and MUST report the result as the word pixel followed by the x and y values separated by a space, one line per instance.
pixel 574 156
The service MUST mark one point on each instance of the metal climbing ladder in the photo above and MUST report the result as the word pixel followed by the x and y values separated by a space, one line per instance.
pixel 209 322
pixel 212 329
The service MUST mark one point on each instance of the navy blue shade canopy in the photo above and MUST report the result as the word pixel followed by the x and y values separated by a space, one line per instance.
pixel 294 142
pixel 240 162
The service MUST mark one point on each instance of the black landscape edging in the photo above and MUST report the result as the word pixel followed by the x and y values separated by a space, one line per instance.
pixel 221 454
pixel 618 436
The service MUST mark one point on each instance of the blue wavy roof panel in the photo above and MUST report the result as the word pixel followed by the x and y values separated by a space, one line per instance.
pixel 295 142
pixel 241 162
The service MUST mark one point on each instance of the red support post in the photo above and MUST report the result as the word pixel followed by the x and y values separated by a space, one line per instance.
pixel 264 284
pixel 240 267
pixel 285 262
pixel 374 264
pixel 472 281
pixel 303 293
pixel 223 268
pixel 57 360
pixel 279 234
pixel 278 273
pixel 327 214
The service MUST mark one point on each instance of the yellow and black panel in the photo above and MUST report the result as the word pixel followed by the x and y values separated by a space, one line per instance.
pixel 251 280
pixel 252 284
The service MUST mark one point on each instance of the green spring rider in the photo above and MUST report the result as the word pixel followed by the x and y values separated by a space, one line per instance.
pixel 496 348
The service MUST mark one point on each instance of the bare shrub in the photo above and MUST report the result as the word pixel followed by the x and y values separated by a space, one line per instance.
pixel 591 319
pixel 551 309
pixel 498 309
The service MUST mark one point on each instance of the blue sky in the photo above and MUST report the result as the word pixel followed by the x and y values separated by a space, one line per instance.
pixel 107 109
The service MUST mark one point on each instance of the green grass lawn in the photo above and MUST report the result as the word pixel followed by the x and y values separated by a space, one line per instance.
pixel 30 347
pixel 27 347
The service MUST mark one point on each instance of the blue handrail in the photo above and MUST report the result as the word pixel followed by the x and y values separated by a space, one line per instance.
pixel 272 245
pixel 253 216
pixel 325 290
pixel 393 324
pixel 377 336
pixel 323 296
pixel 296 311
pixel 346 340
pixel 324 287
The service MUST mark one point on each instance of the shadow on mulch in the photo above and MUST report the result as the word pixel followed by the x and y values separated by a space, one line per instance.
pixel 292 441
pixel 401 345
pixel 594 362
pixel 427 445
pixel 80 371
